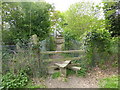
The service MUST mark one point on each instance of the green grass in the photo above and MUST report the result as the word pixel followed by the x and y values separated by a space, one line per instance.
pixel 56 75
pixel 36 86
pixel 109 82
pixel 70 72
pixel 82 72
pixel 31 85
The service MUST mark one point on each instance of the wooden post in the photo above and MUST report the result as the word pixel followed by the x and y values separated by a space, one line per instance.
pixel 63 72
pixel 93 57
pixel 35 42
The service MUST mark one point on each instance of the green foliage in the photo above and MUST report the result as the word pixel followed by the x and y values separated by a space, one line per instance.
pixel 79 19
pixel 97 43
pixel 102 64
pixel 109 82
pixel 70 38
pixel 56 75
pixel 70 72
pixel 114 45
pixel 99 39
pixel 112 16
pixel 115 63
pixel 21 20
pixel 14 81
pixel 51 46
pixel 31 85
pixel 57 20
pixel 82 72
pixel 36 86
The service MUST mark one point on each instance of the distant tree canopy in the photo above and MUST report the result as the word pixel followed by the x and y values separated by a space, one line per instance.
pixel 80 17
pixel 112 16
pixel 22 19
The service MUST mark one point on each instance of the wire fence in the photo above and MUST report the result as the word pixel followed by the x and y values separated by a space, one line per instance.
pixel 34 63
pixel 37 62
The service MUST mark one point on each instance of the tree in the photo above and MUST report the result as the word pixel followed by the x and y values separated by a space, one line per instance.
pixel 112 16
pixel 25 19
pixel 80 17
pixel 57 21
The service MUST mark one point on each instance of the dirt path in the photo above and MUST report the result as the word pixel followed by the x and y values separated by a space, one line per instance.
pixel 90 81
pixel 72 82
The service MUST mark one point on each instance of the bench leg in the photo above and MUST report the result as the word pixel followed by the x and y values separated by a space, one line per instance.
pixel 63 72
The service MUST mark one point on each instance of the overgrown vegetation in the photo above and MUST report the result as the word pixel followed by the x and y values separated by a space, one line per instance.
pixel 14 81
pixel 97 43
pixel 112 16
pixel 32 85
pixel 81 72
pixel 21 20
pixel 81 27
pixel 56 75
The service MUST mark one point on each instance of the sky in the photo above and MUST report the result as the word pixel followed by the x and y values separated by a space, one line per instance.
pixel 63 5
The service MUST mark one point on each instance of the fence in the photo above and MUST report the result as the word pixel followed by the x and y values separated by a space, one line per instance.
pixel 35 65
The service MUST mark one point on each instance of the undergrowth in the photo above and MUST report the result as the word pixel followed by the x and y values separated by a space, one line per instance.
pixel 14 81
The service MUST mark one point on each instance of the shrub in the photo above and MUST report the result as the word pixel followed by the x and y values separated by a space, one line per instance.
pixel 71 41
pixel 97 44
pixel 14 81
pixel 99 38
pixel 114 45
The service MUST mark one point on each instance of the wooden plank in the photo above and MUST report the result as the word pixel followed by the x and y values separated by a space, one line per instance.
pixel 64 59
pixel 75 68
pixel 70 51
pixel 60 65
pixel 64 64
pixel 74 64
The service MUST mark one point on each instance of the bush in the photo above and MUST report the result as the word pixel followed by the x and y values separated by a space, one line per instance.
pixel 71 41
pixel 14 81
pixel 97 44
pixel 98 38
pixel 114 45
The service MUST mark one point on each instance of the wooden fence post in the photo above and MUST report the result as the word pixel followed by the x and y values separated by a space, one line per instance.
pixel 36 50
